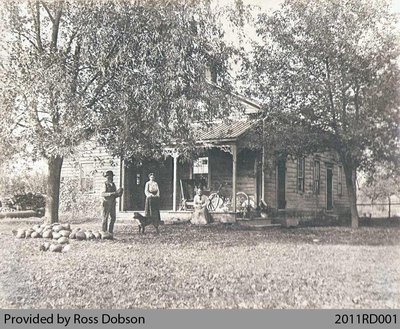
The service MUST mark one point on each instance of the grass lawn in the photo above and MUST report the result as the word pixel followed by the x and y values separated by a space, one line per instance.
pixel 217 266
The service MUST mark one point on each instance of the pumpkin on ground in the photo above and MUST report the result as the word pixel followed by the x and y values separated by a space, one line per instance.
pixel 47 234
pixel 66 227
pixel 56 247
pixel 36 235
pixel 28 233
pixel 57 228
pixel 62 240
pixel 89 235
pixel 65 233
pixel 80 235
pixel 20 234
pixel 56 235
pixel 45 246
pixel 106 235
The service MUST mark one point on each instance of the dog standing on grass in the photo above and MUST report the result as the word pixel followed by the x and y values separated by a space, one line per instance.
pixel 146 221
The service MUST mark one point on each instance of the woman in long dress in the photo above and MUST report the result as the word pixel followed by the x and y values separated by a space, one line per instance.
pixel 152 205
pixel 200 215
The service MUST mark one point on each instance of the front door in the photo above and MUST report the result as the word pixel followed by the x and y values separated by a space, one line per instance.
pixel 329 192
pixel 281 183
pixel 136 181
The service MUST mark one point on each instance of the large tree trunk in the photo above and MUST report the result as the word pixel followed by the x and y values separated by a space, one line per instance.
pixel 53 189
pixel 350 174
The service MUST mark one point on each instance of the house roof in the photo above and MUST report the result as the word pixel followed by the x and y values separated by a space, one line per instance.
pixel 226 131
pixel 250 105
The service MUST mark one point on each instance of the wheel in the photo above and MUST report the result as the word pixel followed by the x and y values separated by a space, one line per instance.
pixel 214 202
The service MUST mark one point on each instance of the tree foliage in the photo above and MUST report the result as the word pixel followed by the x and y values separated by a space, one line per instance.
pixel 327 73
pixel 129 74
pixel 381 185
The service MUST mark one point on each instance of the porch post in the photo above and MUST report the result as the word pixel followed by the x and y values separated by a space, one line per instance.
pixel 234 167
pixel 263 174
pixel 175 156
pixel 121 200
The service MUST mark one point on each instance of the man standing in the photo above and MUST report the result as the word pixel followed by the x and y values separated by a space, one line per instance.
pixel 109 195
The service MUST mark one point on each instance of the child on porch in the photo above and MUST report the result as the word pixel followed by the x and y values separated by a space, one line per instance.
pixel 200 215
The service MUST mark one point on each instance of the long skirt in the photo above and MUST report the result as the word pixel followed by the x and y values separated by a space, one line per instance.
pixel 200 216
pixel 152 208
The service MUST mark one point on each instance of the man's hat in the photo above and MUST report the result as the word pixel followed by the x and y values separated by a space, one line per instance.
pixel 109 173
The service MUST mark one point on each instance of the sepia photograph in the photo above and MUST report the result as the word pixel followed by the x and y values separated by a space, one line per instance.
pixel 200 154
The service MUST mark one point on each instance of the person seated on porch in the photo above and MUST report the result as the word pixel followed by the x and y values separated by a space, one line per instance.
pixel 200 215
pixel 152 204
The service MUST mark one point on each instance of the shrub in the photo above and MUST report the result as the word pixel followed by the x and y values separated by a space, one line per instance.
pixel 22 182
pixel 76 203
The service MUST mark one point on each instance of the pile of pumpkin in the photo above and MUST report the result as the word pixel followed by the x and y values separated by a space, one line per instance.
pixel 60 235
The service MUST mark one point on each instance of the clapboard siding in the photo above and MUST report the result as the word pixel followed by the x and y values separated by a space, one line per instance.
pixel 221 171
pixel 96 161
pixel 220 167
pixel 246 172
pixel 307 200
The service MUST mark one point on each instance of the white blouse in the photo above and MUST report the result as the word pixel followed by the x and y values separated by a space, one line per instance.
pixel 151 189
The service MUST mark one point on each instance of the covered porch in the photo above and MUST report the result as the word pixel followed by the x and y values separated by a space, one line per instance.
pixel 225 164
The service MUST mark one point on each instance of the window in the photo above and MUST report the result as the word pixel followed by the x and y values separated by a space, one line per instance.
pixel 200 166
pixel 300 174
pixel 86 177
pixel 317 175
pixel 340 180
pixel 200 171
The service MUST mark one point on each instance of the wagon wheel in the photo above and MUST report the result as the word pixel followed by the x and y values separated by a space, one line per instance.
pixel 215 201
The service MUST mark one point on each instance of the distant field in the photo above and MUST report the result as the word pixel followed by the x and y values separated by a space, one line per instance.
pixel 205 267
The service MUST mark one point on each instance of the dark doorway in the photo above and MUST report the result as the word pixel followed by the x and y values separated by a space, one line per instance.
pixel 281 183
pixel 135 178
pixel 329 192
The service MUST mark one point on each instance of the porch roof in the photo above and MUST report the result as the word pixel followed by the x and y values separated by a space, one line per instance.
pixel 226 131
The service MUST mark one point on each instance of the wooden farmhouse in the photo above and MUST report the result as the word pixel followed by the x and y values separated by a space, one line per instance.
pixel 301 188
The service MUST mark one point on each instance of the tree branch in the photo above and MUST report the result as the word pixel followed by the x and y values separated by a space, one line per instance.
pixel 56 26
pixel 36 20
pixel 356 102
pixel 77 53
pixel 97 74
pixel 71 39
pixel 330 94
pixel 98 90
pixel 48 11
pixel 29 40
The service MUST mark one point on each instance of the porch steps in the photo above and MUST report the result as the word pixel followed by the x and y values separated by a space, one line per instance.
pixel 124 221
pixel 257 223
